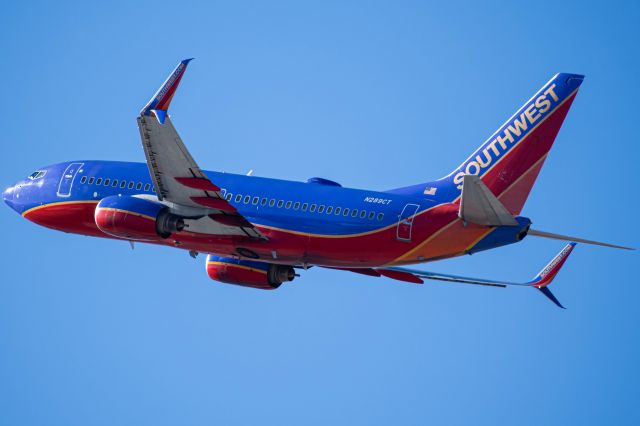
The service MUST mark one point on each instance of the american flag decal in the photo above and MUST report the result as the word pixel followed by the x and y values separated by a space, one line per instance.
pixel 430 190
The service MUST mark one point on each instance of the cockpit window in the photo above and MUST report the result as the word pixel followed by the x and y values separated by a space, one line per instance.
pixel 37 174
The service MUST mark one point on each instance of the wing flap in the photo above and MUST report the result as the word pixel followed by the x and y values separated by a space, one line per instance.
pixel 197 183
pixel 214 203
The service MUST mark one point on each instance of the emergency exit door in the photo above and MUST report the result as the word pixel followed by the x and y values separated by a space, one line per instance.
pixel 405 224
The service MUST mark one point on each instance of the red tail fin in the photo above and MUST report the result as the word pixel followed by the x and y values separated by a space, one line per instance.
pixel 509 161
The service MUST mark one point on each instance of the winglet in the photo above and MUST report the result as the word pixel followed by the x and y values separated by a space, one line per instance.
pixel 160 115
pixel 159 103
pixel 549 272
pixel 550 296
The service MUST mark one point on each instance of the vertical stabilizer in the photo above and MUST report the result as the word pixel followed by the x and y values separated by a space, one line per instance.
pixel 509 161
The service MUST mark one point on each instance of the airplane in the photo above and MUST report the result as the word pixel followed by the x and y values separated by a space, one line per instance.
pixel 260 232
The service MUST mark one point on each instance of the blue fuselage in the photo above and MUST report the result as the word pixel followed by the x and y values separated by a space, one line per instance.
pixel 315 222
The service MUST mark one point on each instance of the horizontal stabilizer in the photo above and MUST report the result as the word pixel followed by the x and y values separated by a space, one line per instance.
pixel 478 205
pixel 543 234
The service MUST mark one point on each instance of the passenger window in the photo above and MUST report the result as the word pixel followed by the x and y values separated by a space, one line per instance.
pixel 321 208
pixel 247 198
pixel 229 197
pixel 338 209
pixel 329 209
pixel 107 182
pixel 115 183
pixel 380 216
pixel 83 180
pixel 139 186
pixel 288 205
pixel 238 198
pixel 131 185
pixel 371 215
pixel 346 212
pixel 312 208
pixel 255 201
pixel 91 179
pixel 99 181
pixel 272 202
pixel 123 184
pixel 363 214
pixel 147 187
pixel 354 212
pixel 263 202
pixel 280 204
pixel 296 205
pixel 304 207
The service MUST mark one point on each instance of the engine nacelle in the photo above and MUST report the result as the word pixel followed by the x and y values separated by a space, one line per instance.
pixel 136 218
pixel 247 273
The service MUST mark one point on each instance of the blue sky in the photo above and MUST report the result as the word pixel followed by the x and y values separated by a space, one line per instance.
pixel 370 94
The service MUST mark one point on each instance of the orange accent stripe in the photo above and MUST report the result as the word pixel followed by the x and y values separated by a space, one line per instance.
pixel 421 245
pixel 480 238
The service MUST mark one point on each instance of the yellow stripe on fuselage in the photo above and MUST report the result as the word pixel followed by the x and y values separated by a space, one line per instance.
pixel 31 210
pixel 422 244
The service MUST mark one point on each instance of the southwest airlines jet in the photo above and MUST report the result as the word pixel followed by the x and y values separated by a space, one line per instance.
pixel 257 231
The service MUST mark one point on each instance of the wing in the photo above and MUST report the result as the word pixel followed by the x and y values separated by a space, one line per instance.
pixel 540 281
pixel 176 176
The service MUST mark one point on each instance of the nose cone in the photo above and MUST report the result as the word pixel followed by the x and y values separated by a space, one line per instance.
pixel 9 196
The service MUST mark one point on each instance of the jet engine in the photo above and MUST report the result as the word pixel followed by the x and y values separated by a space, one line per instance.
pixel 136 218
pixel 247 273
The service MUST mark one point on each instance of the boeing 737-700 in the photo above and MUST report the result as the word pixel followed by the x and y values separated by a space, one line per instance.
pixel 258 231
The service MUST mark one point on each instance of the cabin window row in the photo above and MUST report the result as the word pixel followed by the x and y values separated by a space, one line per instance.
pixel 116 183
pixel 297 205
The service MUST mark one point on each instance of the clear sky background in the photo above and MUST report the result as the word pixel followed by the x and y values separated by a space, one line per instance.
pixel 370 94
